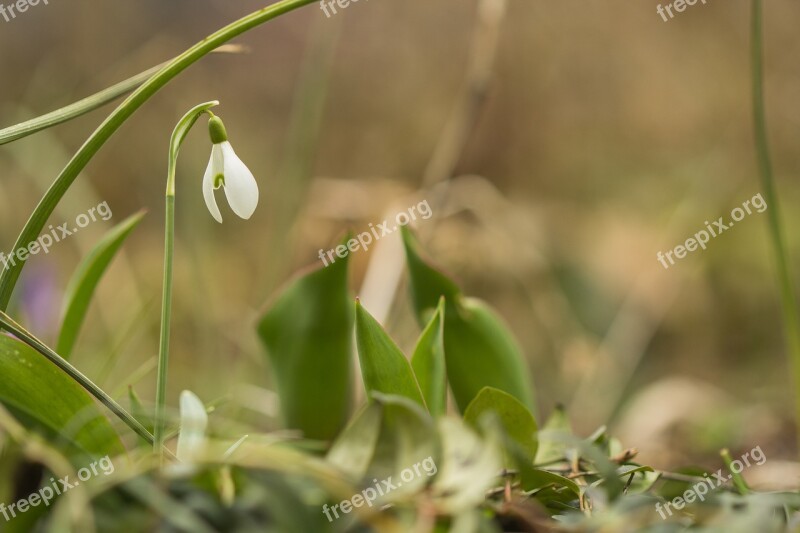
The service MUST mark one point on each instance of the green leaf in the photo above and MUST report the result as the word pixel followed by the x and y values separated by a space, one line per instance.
pixel 479 349
pixel 407 442
pixel 307 331
pixel 428 285
pixel 515 419
pixel 550 449
pixel 428 363
pixel 544 478
pixel 75 109
pixel 85 280
pixel 37 391
pixel 10 325
pixel 469 467
pixel 353 449
pixel 384 367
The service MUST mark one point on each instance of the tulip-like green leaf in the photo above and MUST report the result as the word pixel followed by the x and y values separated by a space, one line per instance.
pixel 469 466
pixel 307 331
pixel 44 397
pixel 479 349
pixel 85 280
pixel 408 441
pixel 384 367
pixel 354 448
pixel 515 419
pixel 429 364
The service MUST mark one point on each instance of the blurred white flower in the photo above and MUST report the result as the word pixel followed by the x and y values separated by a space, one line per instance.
pixel 194 420
pixel 226 170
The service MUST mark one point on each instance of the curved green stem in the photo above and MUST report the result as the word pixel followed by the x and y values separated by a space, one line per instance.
pixel 791 316
pixel 178 135
pixel 111 124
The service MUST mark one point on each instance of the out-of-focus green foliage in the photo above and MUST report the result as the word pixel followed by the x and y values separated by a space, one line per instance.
pixel 479 350
pixel 44 397
pixel 307 331
pixel 85 280
pixel 428 362
pixel 384 367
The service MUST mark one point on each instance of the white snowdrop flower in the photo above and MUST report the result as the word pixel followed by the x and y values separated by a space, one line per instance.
pixel 226 170
pixel 194 421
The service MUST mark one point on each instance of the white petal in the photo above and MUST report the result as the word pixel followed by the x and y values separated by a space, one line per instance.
pixel 240 185
pixel 194 420
pixel 215 167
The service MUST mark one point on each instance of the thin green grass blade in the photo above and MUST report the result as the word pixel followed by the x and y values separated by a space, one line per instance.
pixel 791 314
pixel 85 105
pixel 82 286
pixel 76 109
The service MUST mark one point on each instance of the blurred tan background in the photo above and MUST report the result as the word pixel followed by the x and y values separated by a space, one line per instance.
pixel 604 136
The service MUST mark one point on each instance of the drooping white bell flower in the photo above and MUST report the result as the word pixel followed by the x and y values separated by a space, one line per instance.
pixel 226 170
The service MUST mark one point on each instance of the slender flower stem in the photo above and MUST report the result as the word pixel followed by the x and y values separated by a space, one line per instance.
pixel 166 313
pixel 791 317
pixel 178 135
pixel 110 125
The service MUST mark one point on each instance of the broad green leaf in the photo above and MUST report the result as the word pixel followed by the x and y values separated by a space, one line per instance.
pixel 469 467
pixel 543 478
pixel 479 349
pixel 428 285
pixel 85 280
pixel 515 419
pixel 384 367
pixel 391 435
pixel 307 331
pixel 353 450
pixel 554 491
pixel 428 363
pixel 38 392
pixel 552 450
pixel 408 448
